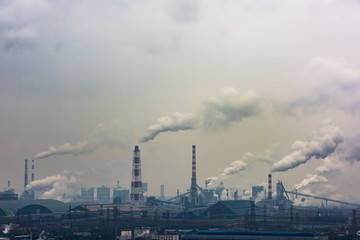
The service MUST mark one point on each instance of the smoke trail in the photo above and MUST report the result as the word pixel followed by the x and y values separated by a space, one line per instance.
pixel 235 167
pixel 104 135
pixel 229 107
pixel 311 180
pixel 176 122
pixel 321 144
pixel 65 149
pixel 60 187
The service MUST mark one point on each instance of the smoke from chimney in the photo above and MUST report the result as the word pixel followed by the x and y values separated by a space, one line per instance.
pixel 104 135
pixel 321 144
pixel 229 107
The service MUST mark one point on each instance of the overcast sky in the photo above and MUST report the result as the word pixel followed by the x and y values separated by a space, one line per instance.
pixel 258 86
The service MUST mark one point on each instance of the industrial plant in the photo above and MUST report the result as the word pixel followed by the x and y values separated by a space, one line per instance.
pixel 199 213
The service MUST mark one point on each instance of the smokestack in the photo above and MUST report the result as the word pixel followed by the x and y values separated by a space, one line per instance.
pixel 162 192
pixel 193 189
pixel 269 187
pixel 26 174
pixel 8 183
pixel 136 195
pixel 32 171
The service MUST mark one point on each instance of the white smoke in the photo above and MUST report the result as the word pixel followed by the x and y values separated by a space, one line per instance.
pixel 104 135
pixel 311 180
pixel 67 148
pixel 320 144
pixel 176 122
pixel 61 187
pixel 229 107
pixel 7 228
pixel 235 167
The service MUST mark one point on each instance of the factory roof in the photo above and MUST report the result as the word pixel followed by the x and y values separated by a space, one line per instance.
pixel 11 207
pixel 123 207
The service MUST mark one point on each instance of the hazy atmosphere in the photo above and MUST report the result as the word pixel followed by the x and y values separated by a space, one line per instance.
pixel 259 86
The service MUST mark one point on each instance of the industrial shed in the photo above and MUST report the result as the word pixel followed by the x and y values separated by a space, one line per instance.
pixel 23 207
pixel 230 209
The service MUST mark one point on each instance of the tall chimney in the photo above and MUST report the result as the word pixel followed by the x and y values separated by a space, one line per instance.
pixel 26 174
pixel 136 195
pixel 32 171
pixel 162 192
pixel 269 187
pixel 193 187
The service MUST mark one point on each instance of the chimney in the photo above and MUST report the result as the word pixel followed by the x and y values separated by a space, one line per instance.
pixel 193 187
pixel 136 195
pixel 26 174
pixel 269 187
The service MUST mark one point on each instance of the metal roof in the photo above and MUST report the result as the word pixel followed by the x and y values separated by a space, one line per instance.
pixel 11 207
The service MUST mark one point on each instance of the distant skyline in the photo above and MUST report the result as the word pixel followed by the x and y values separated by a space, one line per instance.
pixel 258 86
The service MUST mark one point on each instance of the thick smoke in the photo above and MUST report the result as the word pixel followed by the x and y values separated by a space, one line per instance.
pixel 60 187
pixel 334 165
pixel 104 135
pixel 229 107
pixel 321 144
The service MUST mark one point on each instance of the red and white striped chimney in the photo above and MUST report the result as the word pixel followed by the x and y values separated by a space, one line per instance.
pixel 32 171
pixel 269 187
pixel 136 195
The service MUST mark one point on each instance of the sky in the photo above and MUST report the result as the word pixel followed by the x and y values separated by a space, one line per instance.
pixel 259 86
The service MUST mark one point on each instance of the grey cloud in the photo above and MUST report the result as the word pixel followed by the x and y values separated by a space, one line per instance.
pixel 321 144
pixel 229 107
pixel 337 85
pixel 184 11
pixel 17 39
pixel 350 150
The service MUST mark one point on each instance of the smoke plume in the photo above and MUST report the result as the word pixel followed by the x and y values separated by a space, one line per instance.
pixel 173 123
pixel 60 187
pixel 311 180
pixel 229 107
pixel 103 135
pixel 66 148
pixel 320 144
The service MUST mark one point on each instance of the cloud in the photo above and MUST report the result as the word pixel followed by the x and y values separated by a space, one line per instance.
pixel 221 111
pixel 320 144
pixel 60 187
pixel 104 135
pixel 184 11
pixel 335 83
pixel 17 39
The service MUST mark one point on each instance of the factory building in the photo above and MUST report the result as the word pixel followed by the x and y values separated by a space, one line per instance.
pixel 255 191
pixel 87 194
pixel 103 194
pixel 120 195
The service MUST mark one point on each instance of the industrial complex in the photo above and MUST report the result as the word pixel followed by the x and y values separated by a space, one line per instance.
pixel 199 213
